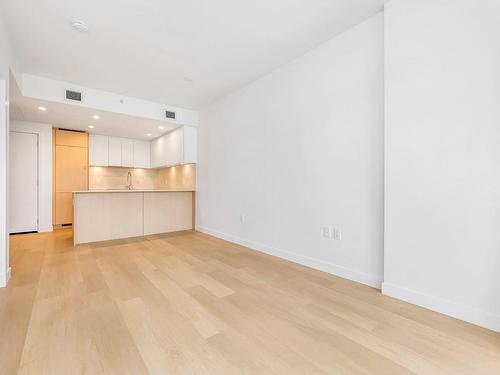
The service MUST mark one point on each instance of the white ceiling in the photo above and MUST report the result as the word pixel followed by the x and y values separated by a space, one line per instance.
pixel 79 118
pixel 145 48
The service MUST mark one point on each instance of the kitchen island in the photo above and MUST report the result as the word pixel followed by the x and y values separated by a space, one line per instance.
pixel 100 215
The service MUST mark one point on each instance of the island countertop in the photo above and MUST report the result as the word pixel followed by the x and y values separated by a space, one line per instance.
pixel 131 191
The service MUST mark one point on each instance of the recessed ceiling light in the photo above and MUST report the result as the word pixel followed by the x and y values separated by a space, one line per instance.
pixel 79 26
pixel 95 117
pixel 161 127
pixel 149 134
pixel 91 126
pixel 43 109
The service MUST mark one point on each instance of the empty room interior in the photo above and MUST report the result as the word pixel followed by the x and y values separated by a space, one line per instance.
pixel 250 187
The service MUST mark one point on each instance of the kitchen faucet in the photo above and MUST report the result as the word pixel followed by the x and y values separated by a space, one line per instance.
pixel 129 181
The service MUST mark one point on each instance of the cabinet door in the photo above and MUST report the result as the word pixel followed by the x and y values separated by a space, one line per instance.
pixel 115 152
pixel 127 152
pixel 92 217
pixel 71 138
pixel 142 154
pixel 126 215
pixel 71 169
pixel 167 212
pixel 98 150
pixel 158 154
pixel 64 208
pixel 190 149
pixel 174 147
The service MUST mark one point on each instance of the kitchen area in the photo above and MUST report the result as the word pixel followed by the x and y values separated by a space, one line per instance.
pixel 102 178
pixel 136 187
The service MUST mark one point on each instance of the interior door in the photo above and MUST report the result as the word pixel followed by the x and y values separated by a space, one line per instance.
pixel 23 185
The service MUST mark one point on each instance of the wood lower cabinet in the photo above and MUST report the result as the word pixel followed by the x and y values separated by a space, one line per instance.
pixel 70 169
pixel 64 204
pixel 167 212
pixel 103 216
pixel 126 215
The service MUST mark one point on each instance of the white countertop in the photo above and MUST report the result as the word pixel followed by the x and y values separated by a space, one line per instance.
pixel 131 191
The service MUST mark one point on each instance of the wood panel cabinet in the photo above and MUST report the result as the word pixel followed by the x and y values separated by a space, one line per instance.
pixel 126 215
pixel 167 212
pixel 70 154
pixel 71 168
pixel 71 138
pixel 113 215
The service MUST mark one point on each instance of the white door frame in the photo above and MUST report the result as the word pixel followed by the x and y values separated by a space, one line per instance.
pixel 13 129
pixel 4 176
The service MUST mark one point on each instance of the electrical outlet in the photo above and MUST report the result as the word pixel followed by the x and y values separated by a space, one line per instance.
pixel 337 234
pixel 242 218
pixel 327 232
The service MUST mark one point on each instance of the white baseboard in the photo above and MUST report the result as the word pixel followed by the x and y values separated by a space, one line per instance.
pixel 318 264
pixel 459 311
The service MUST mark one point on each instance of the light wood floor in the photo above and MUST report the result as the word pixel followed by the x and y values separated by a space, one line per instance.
pixel 188 303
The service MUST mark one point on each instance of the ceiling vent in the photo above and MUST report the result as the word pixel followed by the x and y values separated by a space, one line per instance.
pixel 170 115
pixel 74 95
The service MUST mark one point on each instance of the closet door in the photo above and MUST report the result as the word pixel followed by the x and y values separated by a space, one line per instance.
pixel 23 188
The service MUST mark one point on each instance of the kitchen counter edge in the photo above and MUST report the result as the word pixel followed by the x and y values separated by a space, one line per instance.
pixel 132 191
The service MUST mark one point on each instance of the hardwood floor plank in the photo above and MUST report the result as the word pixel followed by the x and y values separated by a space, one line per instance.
pixel 189 303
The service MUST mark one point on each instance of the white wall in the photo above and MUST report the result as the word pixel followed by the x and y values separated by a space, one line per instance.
pixel 44 132
pixel 6 63
pixel 442 228
pixel 299 149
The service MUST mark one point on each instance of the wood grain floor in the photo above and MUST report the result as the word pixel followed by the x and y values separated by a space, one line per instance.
pixel 188 303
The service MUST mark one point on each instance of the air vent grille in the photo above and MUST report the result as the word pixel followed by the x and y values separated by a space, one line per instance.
pixel 74 95
pixel 170 114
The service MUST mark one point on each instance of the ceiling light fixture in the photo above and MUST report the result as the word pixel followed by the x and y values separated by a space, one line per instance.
pixel 43 109
pixel 149 134
pixel 91 126
pixel 79 26
pixel 96 117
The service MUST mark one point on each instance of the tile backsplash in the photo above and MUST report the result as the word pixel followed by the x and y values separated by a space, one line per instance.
pixel 178 177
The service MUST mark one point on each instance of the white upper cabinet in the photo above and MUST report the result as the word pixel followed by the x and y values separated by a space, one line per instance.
pixel 127 152
pixel 175 147
pixel 156 152
pixel 190 144
pixel 115 151
pixel 121 152
pixel 142 154
pixel 98 150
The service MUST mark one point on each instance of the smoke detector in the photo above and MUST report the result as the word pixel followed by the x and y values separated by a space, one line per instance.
pixel 79 25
